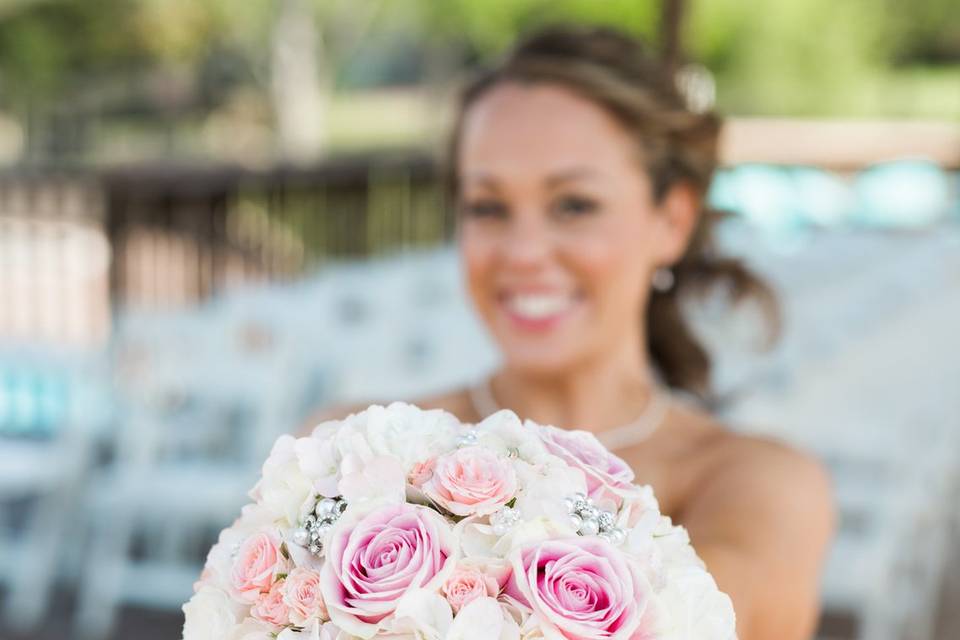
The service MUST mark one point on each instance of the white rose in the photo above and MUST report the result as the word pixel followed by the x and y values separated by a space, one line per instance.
pixel 251 629
pixel 532 629
pixel 660 546
pixel 320 457
pixel 477 539
pixel 545 487
pixel 479 542
pixel 504 433
pixel 640 502
pixel 310 633
pixel 483 619
pixel 673 542
pixel 216 570
pixel 315 631
pixel 409 433
pixel 377 479
pixel 695 608
pixel 210 614
pixel 421 614
pixel 284 489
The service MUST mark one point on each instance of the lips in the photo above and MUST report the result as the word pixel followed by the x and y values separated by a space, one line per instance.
pixel 538 311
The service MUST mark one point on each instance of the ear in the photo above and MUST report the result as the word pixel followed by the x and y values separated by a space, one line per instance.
pixel 678 211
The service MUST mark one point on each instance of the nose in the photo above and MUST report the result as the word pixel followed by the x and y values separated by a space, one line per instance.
pixel 526 244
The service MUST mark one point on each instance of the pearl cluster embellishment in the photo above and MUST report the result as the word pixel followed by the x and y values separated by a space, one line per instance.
pixel 589 520
pixel 317 525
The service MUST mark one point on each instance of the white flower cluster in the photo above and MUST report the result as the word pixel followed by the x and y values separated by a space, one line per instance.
pixel 403 523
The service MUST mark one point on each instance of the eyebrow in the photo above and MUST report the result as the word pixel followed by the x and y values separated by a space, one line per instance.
pixel 551 181
pixel 484 180
pixel 569 175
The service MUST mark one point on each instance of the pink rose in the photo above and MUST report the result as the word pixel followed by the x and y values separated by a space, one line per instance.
pixel 581 588
pixel 257 563
pixel 467 584
pixel 302 595
pixel 609 478
pixel 374 561
pixel 471 480
pixel 421 472
pixel 270 606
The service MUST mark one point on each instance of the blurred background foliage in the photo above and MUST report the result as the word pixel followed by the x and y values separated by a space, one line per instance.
pixel 114 80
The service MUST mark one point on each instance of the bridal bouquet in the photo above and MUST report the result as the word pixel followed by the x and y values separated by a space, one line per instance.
pixel 403 523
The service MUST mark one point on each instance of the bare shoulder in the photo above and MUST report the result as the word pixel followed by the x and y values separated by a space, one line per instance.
pixel 767 466
pixel 762 513
pixel 761 481
pixel 456 402
pixel 727 459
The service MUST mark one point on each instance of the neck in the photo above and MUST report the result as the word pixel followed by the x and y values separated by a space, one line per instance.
pixel 596 395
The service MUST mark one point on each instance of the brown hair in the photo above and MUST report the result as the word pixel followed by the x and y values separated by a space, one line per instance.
pixel 677 144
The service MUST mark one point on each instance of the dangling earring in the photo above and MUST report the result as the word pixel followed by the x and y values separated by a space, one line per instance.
pixel 663 279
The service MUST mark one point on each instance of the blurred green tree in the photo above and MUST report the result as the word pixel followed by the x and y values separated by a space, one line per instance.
pixel 178 60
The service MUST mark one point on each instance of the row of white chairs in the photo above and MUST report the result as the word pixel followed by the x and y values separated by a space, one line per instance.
pixel 879 408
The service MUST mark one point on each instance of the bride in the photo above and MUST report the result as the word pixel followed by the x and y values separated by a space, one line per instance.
pixel 580 176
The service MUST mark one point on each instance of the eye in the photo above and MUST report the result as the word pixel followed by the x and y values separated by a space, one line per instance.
pixel 574 206
pixel 484 208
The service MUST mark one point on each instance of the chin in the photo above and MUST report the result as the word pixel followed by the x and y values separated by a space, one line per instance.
pixel 541 361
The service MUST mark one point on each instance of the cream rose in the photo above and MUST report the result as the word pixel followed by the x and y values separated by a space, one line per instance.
pixel 302 595
pixel 256 565
pixel 471 481
pixel 270 606
pixel 467 584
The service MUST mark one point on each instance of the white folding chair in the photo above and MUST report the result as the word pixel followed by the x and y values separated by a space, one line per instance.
pixel 197 423
pixel 45 472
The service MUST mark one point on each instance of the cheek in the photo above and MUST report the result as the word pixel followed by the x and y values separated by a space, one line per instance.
pixel 610 265
pixel 477 259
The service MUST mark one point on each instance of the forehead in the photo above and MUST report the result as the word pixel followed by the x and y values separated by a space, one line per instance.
pixel 519 130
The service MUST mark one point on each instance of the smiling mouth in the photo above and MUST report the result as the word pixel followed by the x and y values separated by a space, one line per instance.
pixel 537 310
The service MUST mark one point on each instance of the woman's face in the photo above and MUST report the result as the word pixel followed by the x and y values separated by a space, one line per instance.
pixel 559 231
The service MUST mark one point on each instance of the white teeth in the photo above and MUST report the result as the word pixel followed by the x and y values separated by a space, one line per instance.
pixel 537 306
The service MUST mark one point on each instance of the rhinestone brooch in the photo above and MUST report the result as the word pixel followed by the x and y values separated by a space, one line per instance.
pixel 317 525
pixel 589 520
